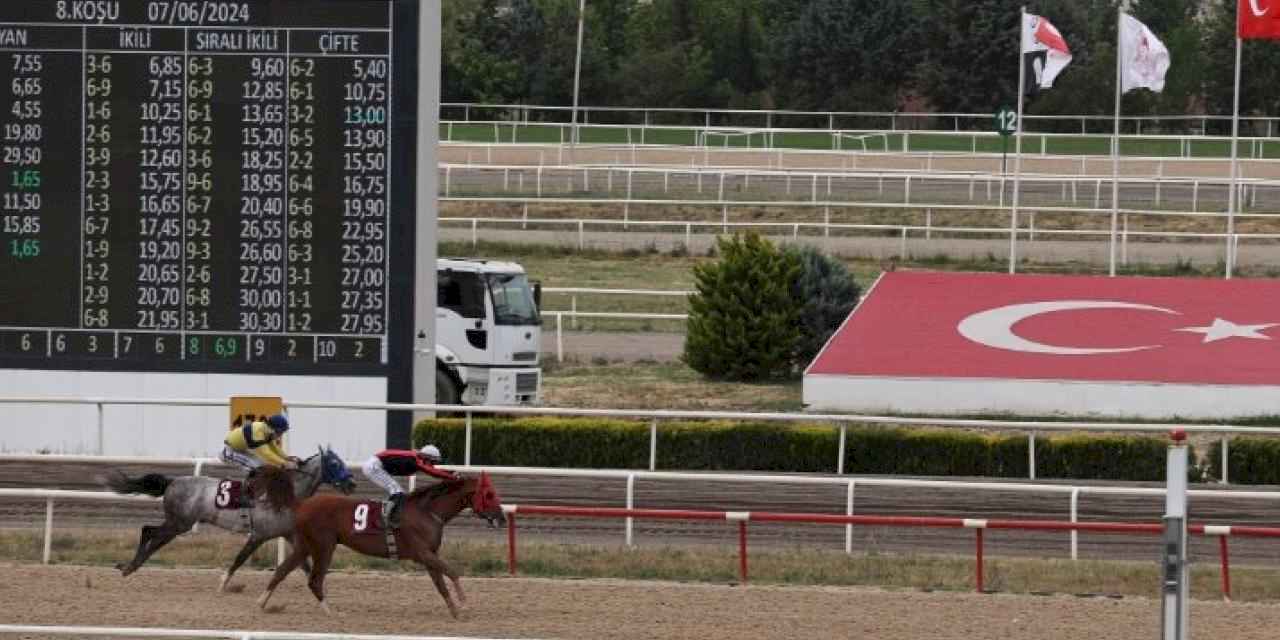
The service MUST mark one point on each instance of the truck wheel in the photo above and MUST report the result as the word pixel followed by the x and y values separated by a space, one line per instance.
pixel 447 391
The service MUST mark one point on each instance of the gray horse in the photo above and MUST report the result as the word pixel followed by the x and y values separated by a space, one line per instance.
pixel 192 499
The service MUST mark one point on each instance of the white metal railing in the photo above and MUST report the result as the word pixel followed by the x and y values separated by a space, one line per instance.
pixel 1072 492
pixel 640 184
pixel 702 136
pixel 574 314
pixel 535 113
pixel 618 315
pixel 229 634
pixel 837 420
pixel 823 231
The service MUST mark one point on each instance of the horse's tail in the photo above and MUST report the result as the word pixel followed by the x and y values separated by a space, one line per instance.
pixel 152 484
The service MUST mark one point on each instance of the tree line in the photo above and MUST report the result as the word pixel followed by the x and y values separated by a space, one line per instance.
pixel 839 55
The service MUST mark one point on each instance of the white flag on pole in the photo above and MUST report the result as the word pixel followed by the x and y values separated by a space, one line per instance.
pixel 1143 58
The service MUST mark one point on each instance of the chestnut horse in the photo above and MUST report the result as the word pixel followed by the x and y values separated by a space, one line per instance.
pixel 322 522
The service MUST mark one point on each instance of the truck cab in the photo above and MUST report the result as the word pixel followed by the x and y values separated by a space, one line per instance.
pixel 488 334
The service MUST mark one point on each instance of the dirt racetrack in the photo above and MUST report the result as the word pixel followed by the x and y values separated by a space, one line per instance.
pixel 377 603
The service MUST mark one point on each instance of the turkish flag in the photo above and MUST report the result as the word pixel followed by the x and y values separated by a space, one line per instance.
pixel 1049 327
pixel 1258 19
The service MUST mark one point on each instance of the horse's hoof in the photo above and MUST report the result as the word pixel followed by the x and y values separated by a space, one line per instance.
pixel 233 588
pixel 275 608
pixel 125 569
pixel 324 606
pixel 262 599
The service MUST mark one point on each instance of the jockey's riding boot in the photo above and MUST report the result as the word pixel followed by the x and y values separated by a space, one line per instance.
pixel 397 510
pixel 246 488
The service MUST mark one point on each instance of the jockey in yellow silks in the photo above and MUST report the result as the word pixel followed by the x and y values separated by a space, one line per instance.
pixel 256 443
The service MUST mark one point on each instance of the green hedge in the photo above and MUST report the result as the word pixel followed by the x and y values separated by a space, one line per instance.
pixel 754 446
pixel 1252 460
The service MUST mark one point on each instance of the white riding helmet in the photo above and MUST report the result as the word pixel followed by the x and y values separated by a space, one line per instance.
pixel 432 453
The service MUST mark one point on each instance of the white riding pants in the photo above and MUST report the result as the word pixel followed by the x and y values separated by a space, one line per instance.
pixel 231 456
pixel 373 470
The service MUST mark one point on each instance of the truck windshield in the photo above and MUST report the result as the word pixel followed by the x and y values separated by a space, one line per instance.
pixel 512 299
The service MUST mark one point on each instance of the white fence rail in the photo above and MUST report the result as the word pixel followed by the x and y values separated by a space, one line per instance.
pixel 906 233
pixel 866 187
pixel 559 316
pixel 159 632
pixel 1072 492
pixel 745 137
pixel 841 422
pixel 774 117
pixel 574 314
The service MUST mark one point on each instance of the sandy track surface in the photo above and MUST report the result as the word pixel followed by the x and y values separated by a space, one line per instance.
pixel 591 609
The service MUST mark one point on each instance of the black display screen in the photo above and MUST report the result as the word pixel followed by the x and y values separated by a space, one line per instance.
pixel 206 185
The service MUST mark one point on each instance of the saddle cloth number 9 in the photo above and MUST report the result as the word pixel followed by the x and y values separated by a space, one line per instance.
pixel 366 517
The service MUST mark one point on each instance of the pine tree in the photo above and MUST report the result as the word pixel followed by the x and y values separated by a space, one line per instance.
pixel 744 318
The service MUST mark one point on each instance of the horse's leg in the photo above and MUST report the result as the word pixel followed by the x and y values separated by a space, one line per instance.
pixel 247 550
pixel 127 568
pixel 300 551
pixel 159 537
pixel 437 566
pixel 322 556
pixel 438 578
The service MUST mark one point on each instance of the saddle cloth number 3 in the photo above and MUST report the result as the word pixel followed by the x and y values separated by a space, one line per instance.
pixel 223 498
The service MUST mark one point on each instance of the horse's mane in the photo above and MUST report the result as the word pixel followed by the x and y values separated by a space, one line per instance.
pixel 276 484
pixel 431 492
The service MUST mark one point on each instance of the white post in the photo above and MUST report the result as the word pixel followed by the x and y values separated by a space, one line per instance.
pixel 1075 515
pixel 631 504
pixel 1225 443
pixel 1175 585
pixel 844 430
pixel 48 528
pixel 101 433
pixel 466 450
pixel 280 552
pixel 195 528
pixel 1031 455
pixel 848 528
pixel 559 338
pixel 653 444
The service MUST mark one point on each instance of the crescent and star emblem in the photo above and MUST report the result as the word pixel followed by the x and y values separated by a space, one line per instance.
pixel 1258 11
pixel 994 327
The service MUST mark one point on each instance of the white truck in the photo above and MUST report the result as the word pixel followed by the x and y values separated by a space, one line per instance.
pixel 488 334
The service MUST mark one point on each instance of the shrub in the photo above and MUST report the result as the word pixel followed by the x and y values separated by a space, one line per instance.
pixel 827 293
pixel 744 318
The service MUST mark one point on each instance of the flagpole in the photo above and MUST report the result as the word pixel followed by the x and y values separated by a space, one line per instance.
pixel 1235 163
pixel 1115 140
pixel 1017 144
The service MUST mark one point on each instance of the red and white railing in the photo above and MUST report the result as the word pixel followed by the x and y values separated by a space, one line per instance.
pixel 977 524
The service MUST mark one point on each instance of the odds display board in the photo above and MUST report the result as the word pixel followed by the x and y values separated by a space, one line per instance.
pixel 211 186
pixel 927 342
